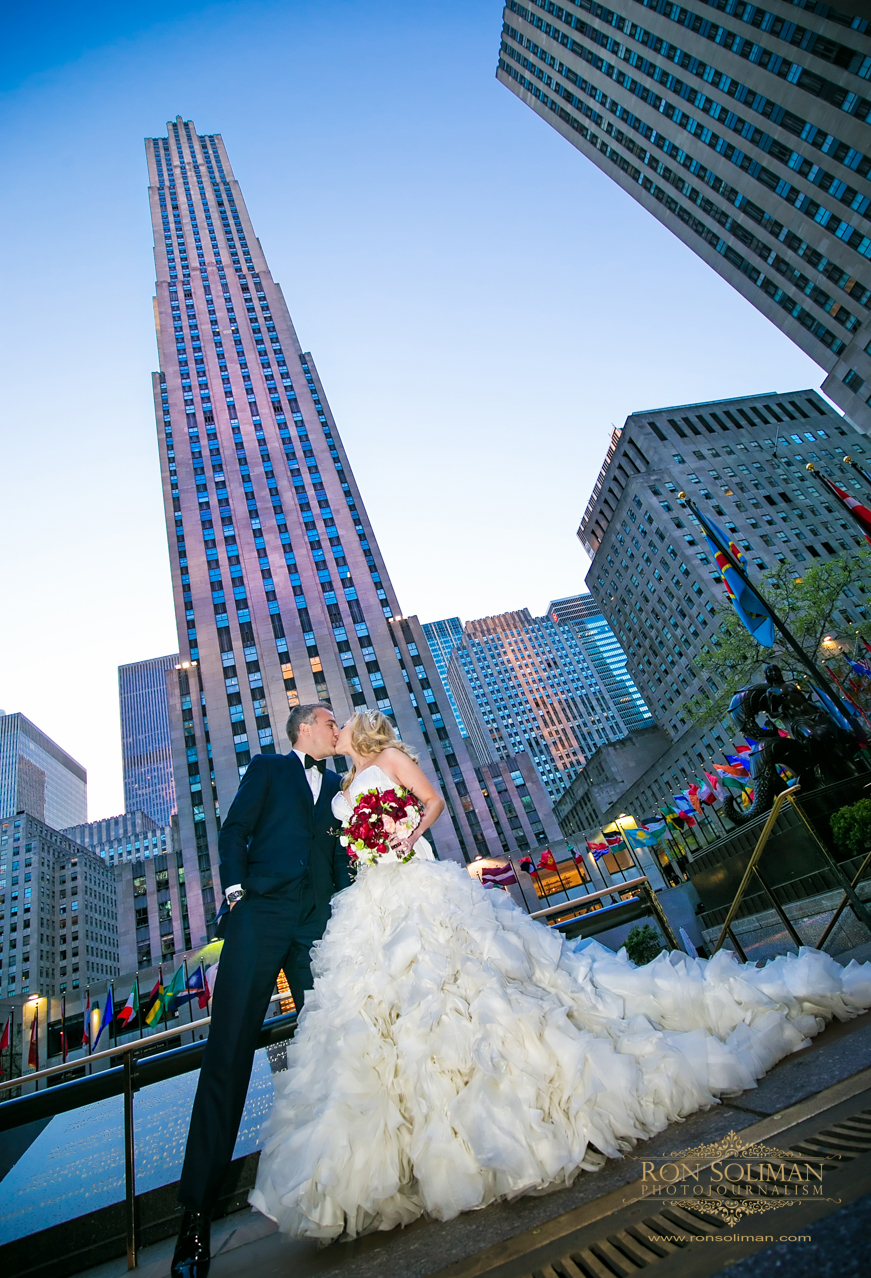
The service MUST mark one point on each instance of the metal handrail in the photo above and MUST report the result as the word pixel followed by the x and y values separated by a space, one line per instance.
pixel 134 1045
pixel 642 888
pixel 128 1086
pixel 780 799
pixel 573 902
pixel 850 895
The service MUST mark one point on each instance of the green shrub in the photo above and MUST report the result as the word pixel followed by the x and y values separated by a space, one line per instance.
pixel 851 827
pixel 643 944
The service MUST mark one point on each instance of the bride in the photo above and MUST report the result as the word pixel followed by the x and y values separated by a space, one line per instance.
pixel 454 1051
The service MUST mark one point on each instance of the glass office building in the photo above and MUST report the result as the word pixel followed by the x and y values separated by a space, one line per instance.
pixel 745 129
pixel 443 637
pixel 146 754
pixel 38 777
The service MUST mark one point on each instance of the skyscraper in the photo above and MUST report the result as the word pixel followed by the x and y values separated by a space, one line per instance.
pixel 443 637
pixel 605 655
pixel 38 777
pixel 532 685
pixel 745 129
pixel 58 920
pixel 146 755
pixel 744 460
pixel 281 592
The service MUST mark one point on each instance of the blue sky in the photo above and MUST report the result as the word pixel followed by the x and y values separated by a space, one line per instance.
pixel 481 302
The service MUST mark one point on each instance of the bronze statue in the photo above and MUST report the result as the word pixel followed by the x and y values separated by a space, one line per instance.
pixel 818 750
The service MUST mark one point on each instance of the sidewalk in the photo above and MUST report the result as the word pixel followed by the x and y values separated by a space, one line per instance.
pixel 245 1242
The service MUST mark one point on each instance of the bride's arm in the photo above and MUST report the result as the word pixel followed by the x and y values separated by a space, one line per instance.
pixel 401 768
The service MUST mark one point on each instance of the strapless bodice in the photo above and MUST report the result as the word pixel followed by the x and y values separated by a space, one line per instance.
pixel 374 778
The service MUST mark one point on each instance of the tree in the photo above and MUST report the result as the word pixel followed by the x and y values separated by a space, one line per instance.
pixel 808 605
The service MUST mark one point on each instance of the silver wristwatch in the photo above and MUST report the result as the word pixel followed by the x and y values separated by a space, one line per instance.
pixel 233 897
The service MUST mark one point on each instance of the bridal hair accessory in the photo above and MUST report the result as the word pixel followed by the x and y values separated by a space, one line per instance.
pixel 377 815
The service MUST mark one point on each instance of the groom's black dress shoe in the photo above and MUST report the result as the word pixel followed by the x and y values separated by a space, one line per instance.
pixel 193 1249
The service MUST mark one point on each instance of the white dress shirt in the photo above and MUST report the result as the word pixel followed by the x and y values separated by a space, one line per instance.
pixel 315 781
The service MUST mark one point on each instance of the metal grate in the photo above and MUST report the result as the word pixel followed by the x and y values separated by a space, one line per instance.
pixel 627 1251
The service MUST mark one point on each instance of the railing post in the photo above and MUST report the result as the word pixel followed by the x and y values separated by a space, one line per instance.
pixel 130 1164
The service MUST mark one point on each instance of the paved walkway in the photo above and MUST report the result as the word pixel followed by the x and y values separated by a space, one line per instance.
pixel 246 1244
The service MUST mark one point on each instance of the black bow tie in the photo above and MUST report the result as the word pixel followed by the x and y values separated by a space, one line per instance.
pixel 320 764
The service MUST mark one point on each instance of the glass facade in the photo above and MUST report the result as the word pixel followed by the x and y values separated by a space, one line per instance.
pixel 36 775
pixel 146 754
pixel 745 130
pixel 443 637
pixel 545 687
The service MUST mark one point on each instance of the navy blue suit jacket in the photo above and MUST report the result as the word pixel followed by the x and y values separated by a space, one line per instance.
pixel 274 834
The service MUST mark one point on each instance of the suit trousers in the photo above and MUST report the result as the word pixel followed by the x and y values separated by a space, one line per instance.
pixel 263 935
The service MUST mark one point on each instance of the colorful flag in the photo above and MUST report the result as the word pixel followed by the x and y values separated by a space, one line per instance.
pixel 131 1007
pixel 198 987
pixel 527 867
pixel 497 875
pixel 4 1041
pixel 750 608
pixel 684 806
pixel 546 861
pixel 739 764
pixel 108 1014
pixel 692 792
pixel 736 784
pixel 861 514
pixel 657 828
pixel 33 1053
pixel 211 976
pixel 640 838
pixel 86 1029
pixel 175 992
pixel 859 668
pixel 731 769
pixel 154 1006
pixel 718 790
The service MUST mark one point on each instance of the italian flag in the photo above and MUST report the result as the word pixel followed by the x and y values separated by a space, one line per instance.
pixel 131 1007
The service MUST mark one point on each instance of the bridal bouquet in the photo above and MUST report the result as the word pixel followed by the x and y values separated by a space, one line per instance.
pixel 377 815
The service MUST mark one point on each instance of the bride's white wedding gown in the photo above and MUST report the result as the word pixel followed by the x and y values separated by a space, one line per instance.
pixel 454 1051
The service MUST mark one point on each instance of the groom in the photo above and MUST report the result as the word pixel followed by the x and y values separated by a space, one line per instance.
pixel 280 864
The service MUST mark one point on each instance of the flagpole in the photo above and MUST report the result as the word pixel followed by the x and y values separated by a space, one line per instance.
pixel 791 641
pixel 560 877
pixel 828 485
pixel 522 893
pixel 88 1018
pixel 848 461
pixel 113 1026
pixel 632 859
pixel 139 1006
pixel 187 991
pixel 63 1029
pixel 851 700
pixel 205 987
pixel 163 989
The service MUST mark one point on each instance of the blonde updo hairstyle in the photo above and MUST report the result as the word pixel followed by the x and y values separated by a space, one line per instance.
pixel 372 732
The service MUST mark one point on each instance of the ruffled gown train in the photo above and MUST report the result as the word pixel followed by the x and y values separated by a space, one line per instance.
pixel 454 1052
